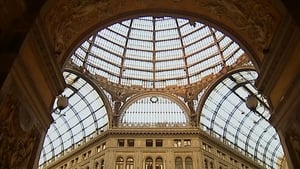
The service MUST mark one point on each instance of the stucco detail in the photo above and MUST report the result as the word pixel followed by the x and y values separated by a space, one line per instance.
pixel 254 22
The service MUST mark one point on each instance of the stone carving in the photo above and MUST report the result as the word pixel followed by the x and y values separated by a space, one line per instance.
pixel 258 23
pixel 74 15
pixel 16 145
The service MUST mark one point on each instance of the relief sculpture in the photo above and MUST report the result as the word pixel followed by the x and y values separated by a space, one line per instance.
pixel 16 145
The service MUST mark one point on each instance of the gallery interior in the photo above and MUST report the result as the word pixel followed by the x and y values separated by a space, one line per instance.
pixel 118 84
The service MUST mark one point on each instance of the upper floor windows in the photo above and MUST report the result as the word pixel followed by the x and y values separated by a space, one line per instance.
pixel 130 142
pixel 182 143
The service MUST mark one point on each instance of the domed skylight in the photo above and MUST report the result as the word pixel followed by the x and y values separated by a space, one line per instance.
pixel 226 115
pixel 155 52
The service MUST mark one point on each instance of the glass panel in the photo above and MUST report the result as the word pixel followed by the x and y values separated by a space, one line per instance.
pixel 227 116
pixel 150 48
pixel 75 122
pixel 178 163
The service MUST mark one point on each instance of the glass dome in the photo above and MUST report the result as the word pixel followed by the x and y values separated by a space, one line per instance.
pixel 84 116
pixel 226 116
pixel 154 111
pixel 155 52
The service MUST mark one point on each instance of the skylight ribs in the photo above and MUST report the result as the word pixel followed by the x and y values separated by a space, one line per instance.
pixel 122 68
pixel 218 46
pixel 154 54
pixel 125 49
pixel 184 54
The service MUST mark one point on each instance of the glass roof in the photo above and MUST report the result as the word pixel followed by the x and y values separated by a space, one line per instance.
pixel 155 52
pixel 154 111
pixel 226 115
pixel 85 115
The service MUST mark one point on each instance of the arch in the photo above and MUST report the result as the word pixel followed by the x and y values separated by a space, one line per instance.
pixel 171 97
pixel 214 84
pixel 178 163
pixel 129 163
pixel 119 162
pixel 65 33
pixel 149 163
pixel 156 110
pixel 78 121
pixel 227 117
pixel 188 163
pixel 159 164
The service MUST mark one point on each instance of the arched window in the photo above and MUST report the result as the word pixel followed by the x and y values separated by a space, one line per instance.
pixel 188 163
pixel 97 165
pixel 178 163
pixel 159 163
pixel 102 164
pixel 119 163
pixel 129 163
pixel 149 163
pixel 205 163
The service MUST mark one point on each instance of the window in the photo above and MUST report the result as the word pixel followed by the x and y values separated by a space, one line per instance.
pixel 233 161
pixel 129 163
pixel 221 154
pixel 98 149
pixel 149 163
pixel 84 156
pixel 103 146
pixel 222 166
pixel 97 165
pixel 149 143
pixel 159 163
pixel 119 163
pixel 158 143
pixel 205 163
pixel 208 163
pixel 102 164
pixel 187 142
pixel 206 147
pixel 177 143
pixel 130 142
pixel 188 163
pixel 178 163
pixel 121 142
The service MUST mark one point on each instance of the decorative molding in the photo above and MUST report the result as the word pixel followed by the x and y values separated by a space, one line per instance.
pixel 253 22
pixel 256 18
pixel 47 61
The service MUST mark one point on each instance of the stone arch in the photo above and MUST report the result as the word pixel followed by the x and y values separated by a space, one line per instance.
pixel 67 23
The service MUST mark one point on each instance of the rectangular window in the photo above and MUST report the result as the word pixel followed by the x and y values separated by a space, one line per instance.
pixel 130 142
pixel 149 143
pixel 121 142
pixel 177 143
pixel 98 149
pixel 187 142
pixel 84 156
pixel 159 143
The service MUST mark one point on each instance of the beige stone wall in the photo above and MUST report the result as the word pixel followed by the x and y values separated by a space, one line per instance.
pixel 203 150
